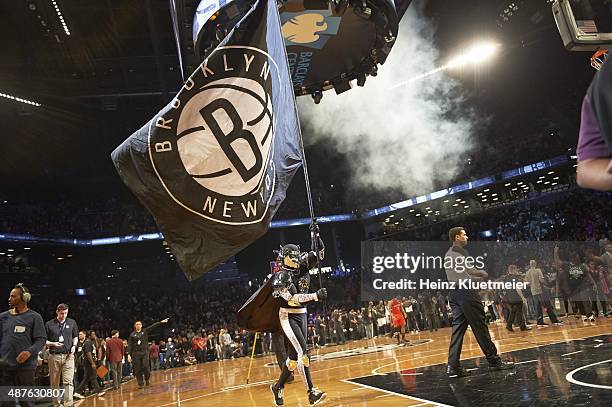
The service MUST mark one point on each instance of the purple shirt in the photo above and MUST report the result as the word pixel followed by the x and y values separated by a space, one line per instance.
pixel 590 142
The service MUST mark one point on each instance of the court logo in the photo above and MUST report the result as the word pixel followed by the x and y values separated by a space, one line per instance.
pixel 309 28
pixel 217 161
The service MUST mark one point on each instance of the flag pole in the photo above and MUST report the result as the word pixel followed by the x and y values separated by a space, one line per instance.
pixel 252 356
pixel 306 178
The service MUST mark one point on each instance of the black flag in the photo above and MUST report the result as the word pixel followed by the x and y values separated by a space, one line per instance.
pixel 214 165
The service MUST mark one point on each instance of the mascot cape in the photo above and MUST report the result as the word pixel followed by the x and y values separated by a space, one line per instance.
pixel 260 312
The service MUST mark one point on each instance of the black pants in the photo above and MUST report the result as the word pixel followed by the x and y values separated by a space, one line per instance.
pixel 15 378
pixel 543 302
pixel 294 327
pixel 278 347
pixel 90 378
pixel 142 370
pixel 583 308
pixel 516 315
pixel 340 339
pixel 468 310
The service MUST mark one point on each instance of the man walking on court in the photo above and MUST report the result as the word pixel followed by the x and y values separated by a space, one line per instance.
pixel 62 339
pixel 467 308
pixel 138 351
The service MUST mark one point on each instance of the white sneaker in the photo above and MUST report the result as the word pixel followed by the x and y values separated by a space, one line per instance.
pixel 78 396
pixel 592 318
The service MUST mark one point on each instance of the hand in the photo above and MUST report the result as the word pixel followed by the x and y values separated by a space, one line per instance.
pixel 321 294
pixel 58 344
pixel 165 320
pixel 23 356
pixel 129 359
pixel 72 350
pixel 93 366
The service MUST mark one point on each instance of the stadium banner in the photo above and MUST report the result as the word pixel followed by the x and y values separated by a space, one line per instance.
pixel 213 166
pixel 398 269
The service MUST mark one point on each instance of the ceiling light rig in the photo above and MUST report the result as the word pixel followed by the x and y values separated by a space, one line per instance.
pixel 18 99
pixel 61 17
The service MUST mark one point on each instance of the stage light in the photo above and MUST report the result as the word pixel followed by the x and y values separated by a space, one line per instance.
pixel 61 17
pixel 17 99
pixel 476 54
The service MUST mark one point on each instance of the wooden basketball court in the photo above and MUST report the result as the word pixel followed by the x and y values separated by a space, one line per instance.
pixel 406 376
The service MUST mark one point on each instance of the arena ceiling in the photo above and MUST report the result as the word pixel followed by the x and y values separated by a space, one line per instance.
pixel 119 64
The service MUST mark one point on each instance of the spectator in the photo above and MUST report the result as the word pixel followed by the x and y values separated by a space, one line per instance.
pixel 154 355
pixel 515 300
pixel 170 349
pixel 89 360
pixel 535 278
pixel 115 354
pixel 62 338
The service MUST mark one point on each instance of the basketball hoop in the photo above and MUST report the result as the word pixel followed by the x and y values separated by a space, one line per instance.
pixel 598 58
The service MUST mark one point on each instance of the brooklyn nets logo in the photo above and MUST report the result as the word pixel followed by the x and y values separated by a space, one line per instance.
pixel 212 147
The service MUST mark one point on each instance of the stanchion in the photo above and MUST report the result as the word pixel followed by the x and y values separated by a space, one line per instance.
pixel 252 356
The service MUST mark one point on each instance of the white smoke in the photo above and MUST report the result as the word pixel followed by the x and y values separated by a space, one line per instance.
pixel 405 139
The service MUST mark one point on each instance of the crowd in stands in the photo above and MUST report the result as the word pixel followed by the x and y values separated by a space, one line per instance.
pixel 574 215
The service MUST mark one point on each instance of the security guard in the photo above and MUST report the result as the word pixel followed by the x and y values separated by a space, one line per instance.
pixel 467 308
pixel 138 351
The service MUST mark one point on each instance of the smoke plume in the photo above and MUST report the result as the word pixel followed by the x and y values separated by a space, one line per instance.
pixel 407 139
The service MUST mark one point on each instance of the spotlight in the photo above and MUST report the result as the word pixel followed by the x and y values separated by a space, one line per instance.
pixel 476 54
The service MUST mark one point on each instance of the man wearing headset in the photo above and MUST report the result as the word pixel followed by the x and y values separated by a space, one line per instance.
pixel 22 336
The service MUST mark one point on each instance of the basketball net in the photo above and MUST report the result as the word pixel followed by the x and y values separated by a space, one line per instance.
pixel 598 58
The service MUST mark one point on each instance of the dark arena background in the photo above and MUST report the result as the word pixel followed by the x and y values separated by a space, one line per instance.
pixel 416 117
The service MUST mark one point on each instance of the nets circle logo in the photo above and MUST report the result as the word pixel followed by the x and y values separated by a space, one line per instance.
pixel 223 144
pixel 212 146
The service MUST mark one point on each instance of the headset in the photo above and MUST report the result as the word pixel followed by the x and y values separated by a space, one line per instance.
pixel 25 293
